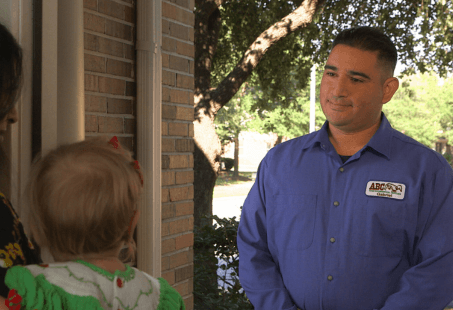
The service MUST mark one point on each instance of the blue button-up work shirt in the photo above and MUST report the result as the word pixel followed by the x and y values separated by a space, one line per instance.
pixel 375 232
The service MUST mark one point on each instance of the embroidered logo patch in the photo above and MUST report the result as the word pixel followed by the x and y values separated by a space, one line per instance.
pixel 385 189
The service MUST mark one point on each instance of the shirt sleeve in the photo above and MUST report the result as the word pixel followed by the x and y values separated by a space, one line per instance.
pixel 15 247
pixel 428 284
pixel 259 274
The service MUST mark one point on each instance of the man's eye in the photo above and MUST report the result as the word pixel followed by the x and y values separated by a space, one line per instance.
pixel 330 73
pixel 356 80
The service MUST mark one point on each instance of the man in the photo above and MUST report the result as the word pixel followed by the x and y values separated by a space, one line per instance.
pixel 356 215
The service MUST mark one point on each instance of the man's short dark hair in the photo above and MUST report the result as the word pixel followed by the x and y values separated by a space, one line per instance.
pixel 10 71
pixel 372 40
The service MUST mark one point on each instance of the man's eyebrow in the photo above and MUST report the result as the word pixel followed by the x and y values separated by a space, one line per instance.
pixel 359 74
pixel 333 68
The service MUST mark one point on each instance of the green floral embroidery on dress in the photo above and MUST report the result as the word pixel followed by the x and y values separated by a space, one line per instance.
pixel 127 275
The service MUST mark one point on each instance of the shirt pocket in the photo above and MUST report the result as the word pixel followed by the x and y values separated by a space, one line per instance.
pixel 378 227
pixel 292 221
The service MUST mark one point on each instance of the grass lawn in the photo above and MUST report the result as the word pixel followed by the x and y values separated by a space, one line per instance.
pixel 226 178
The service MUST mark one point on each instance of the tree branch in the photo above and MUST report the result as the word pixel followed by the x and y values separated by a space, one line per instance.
pixel 299 18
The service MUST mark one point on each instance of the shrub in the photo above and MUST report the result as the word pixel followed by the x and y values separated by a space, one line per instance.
pixel 212 242
pixel 229 163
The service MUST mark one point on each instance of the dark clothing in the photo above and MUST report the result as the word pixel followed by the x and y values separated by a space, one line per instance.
pixel 15 247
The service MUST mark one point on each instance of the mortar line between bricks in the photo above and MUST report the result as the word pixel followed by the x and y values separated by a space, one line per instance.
pixel 182 8
pixel 177 39
pixel 108 37
pixel 182 266
pixel 175 252
pixel 177 186
pixel 178 72
pixel 178 23
pixel 176 54
pixel 116 19
pixel 179 170
pixel 176 235
pixel 179 88
pixel 177 121
pixel 89 52
pixel 176 202
pixel 124 3
pixel 92 93
pixel 117 77
pixel 126 116
pixel 176 137
pixel 173 219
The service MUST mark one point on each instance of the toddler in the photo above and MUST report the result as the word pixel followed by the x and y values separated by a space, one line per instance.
pixel 82 200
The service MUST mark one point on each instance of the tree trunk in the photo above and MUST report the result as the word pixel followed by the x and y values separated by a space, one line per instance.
pixel 236 157
pixel 208 101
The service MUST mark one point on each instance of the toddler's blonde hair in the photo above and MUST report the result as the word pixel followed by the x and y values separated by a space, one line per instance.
pixel 82 197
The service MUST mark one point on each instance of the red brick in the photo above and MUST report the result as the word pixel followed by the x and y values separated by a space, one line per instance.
pixel 93 22
pixel 170 276
pixel 110 124
pixel 95 104
pixel 166 94
pixel 165 161
pixel 168 44
pixel 120 68
pixel 168 10
pixel 184 81
pixel 168 78
pixel 119 106
pixel 182 288
pixel 91 123
pixel 168 145
pixel 168 112
pixel 90 42
pixel 179 193
pixel 183 3
pixel 178 63
pixel 129 51
pixel 178 161
pixel 188 302
pixel 179 259
pixel 184 241
pixel 112 86
pixel 183 177
pixel 165 229
pixel 165 26
pixel 165 263
pixel 178 129
pixel 191 35
pixel 90 4
pixel 118 30
pixel 184 208
pixel 110 47
pixel 191 193
pixel 91 82
pixel 129 14
pixel 168 211
pixel 168 178
pixel 168 246
pixel 111 8
pixel 94 63
pixel 185 49
pixel 129 125
pixel 185 114
pixel 184 145
pixel 179 96
pixel 165 60
pixel 184 273
pixel 191 130
pixel 165 195
pixel 164 129
pixel 179 226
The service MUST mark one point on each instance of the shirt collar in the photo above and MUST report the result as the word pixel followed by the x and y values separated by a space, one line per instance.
pixel 380 142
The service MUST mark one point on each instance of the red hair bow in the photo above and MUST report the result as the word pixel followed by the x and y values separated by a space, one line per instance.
pixel 114 141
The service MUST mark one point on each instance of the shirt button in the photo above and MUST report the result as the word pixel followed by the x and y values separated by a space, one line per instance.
pixel 336 203
pixel 332 240
pixel 341 169
pixel 330 278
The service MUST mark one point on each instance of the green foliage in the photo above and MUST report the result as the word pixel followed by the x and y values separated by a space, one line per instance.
pixel 421 30
pixel 423 109
pixel 229 163
pixel 212 241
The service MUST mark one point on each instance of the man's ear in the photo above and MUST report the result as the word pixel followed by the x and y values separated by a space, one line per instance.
pixel 390 87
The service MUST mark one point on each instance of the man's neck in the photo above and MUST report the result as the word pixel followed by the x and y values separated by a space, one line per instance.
pixel 349 143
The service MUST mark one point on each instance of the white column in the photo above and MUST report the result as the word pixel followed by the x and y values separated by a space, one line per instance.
pixel 312 98
pixel 71 103
pixel 149 119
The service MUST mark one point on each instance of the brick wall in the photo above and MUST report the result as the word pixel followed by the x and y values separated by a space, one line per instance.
pixel 110 108
pixel 178 53
pixel 110 86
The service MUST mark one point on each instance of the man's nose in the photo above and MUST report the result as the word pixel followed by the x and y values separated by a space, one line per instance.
pixel 340 89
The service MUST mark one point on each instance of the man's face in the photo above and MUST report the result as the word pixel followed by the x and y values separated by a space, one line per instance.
pixel 352 89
